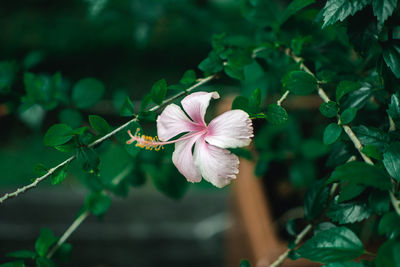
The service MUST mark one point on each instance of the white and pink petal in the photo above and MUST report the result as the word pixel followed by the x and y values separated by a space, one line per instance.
pixel 173 121
pixel 230 129
pixel 217 165
pixel 196 104
pixel 183 159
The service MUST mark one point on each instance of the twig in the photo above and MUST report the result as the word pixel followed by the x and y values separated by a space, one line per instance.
pixel 98 141
pixel 298 239
pixel 279 102
pixel 68 232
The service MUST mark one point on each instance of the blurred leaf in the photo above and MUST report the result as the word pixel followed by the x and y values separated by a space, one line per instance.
pixel 348 115
pixel 42 89
pixel 212 64
pixel 379 201
pixel 255 101
pixel 350 191
pixel 391 160
pixel 242 152
pixel 87 92
pixel 389 225
pixel 361 173
pixel 233 72
pixel 383 9
pixel 45 241
pixel 89 160
pixel 302 173
pixel 71 117
pixel 59 175
pixel 99 124
pixel 177 87
pixel 58 134
pixel 388 254
pixel 346 87
pixel 188 78
pixel 315 200
pixel 276 114
pixel 300 83
pixel 97 203
pixel 32 59
pixel 244 263
pixel 294 7
pixel 372 152
pixel 329 109
pixel 347 264
pixel 44 262
pixel 22 254
pixel 63 253
pixel 127 108
pixel 18 263
pixel 348 213
pixel 332 245
pixel 332 133
pixel 312 148
pixel 241 102
pixel 159 91
pixel 40 169
pixel 8 71
pixel 339 10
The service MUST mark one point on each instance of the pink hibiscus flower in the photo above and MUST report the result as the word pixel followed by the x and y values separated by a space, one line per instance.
pixel 210 159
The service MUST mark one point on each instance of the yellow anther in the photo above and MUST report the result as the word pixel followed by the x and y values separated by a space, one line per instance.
pixel 145 141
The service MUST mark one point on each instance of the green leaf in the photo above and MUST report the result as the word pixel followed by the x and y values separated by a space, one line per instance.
pixel 71 117
pixel 379 201
pixel 389 225
pixel 89 160
pixel 8 70
pixel 372 152
pixel 350 191
pixel 394 108
pixel 313 148
pixel 329 109
pixel 315 200
pixel 339 10
pixel 18 263
pixel 372 136
pixel 127 108
pixel 346 264
pixel 87 92
pixel 346 87
pixel 294 7
pixel 332 245
pixel 361 173
pixel 63 253
pixel 45 262
pixel 302 173
pixel 391 56
pixel 388 254
pixel 45 241
pixel 241 102
pixel 255 101
pixel 348 212
pixel 332 133
pixel 58 134
pixel 300 83
pixel 40 169
pixel 98 203
pixel 212 64
pixel 244 263
pixel 22 254
pixel 188 78
pixel 59 175
pixel 348 115
pixel 99 124
pixel 391 160
pixel 234 72
pixel 159 91
pixel 276 114
pixel 383 9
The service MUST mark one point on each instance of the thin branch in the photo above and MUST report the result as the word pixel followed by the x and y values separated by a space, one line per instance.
pixel 100 140
pixel 68 232
pixel 279 102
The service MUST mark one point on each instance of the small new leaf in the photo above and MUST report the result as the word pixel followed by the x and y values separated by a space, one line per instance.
pixel 348 115
pixel 99 124
pixel 332 133
pixel 58 134
pixel 329 109
pixel 188 78
pixel 97 203
pixel 300 83
pixel 159 91
pixel 45 241
pixel 127 108
pixel 87 92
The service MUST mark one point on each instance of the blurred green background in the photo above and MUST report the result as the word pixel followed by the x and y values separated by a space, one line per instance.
pixel 127 45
